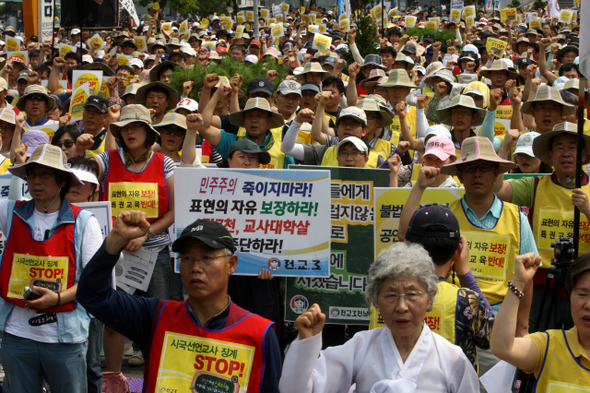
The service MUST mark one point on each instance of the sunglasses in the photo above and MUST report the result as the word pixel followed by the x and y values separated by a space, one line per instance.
pixel 67 143
pixel 172 130
pixel 35 98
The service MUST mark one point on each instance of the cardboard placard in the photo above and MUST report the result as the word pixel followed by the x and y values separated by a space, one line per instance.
pixel 496 46
pixel 79 97
pixel 508 14
pixel 321 42
pixel 92 78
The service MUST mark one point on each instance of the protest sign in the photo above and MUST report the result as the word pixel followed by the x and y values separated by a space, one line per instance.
pixel 240 18
pixel 469 21
pixel 96 38
pixel 140 42
pixel 431 24
pixel 264 13
pixel 183 27
pixel 507 14
pixel 129 6
pixel 341 295
pixel 49 129
pixel 249 16
pixel 276 10
pixel 18 56
pixel 321 42
pixel 535 23
pixel 239 31
pixel 344 24
pixel 389 203
pixel 529 16
pixel 65 49
pixel 410 21
pixel 565 16
pixel 12 44
pixel 468 11
pixel 285 7
pixel 123 59
pixel 277 30
pixel 276 217
pixel 377 13
pixel 79 97
pixel 496 46
pixel 227 22
pixel 93 78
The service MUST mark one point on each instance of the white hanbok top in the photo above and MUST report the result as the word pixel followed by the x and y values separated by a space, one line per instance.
pixel 372 361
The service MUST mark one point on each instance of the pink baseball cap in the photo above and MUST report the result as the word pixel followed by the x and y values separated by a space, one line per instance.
pixel 440 146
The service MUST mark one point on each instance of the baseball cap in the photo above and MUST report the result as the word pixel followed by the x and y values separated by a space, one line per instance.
pixel 409 49
pixel 211 233
pixel 310 86
pixel 98 102
pixel 434 214
pixel 248 146
pixel 437 130
pixel 257 85
pixel 428 37
pixel 23 75
pixel 188 104
pixel 75 31
pixel 439 146
pixel 255 42
pixel 136 62
pixel 354 112
pixel 524 144
pixel 252 59
pixel 331 61
pixel 356 141
pixel 289 87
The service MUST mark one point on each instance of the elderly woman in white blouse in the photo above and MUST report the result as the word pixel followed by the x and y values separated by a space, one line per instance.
pixel 403 357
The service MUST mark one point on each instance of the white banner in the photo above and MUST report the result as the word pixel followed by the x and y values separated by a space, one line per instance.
pixel 277 217
pixel 129 6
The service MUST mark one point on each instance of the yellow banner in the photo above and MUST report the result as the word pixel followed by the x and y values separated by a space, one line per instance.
pixel 507 14
pixel 189 363
pixel 31 267
pixel 137 196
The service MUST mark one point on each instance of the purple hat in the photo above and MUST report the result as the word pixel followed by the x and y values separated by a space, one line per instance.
pixel 34 138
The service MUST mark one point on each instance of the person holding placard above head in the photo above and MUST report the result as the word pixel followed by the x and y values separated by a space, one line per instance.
pixel 150 175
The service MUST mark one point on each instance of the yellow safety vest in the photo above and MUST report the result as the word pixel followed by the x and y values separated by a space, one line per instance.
pixel 5 164
pixel 330 158
pixel 277 157
pixel 553 217
pixel 492 251
pixel 100 149
pixel 382 148
pixel 277 133
pixel 561 372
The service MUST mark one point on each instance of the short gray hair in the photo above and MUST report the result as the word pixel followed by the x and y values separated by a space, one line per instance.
pixel 399 260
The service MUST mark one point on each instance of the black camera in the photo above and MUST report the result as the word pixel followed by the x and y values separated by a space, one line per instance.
pixel 564 251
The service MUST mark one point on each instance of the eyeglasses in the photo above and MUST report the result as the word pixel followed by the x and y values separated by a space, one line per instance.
pixel 393 298
pixel 205 261
pixel 485 168
pixel 67 143
pixel 43 175
pixel 353 154
pixel 172 130
pixel 35 98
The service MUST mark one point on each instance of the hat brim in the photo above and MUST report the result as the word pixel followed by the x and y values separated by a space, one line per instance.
pixel 20 104
pixel 152 48
pixel 116 127
pixel 444 114
pixel 486 73
pixel 542 145
pixel 153 72
pixel 563 51
pixel 451 169
pixel 181 241
pixel 172 101
pixel 237 118
pixel 21 172
pixel 527 107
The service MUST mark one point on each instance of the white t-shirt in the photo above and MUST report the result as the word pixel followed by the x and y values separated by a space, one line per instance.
pixel 18 321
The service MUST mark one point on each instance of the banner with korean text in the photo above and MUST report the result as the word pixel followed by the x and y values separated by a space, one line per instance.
pixel 341 295
pixel 389 203
pixel 277 218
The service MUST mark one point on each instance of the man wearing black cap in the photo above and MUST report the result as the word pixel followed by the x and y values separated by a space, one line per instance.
pixel 204 340
pixel 94 117
pixel 464 315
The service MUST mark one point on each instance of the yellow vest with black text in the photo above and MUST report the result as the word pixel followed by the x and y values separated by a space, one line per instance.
pixel 276 132
pixel 492 252
pixel 553 217
pixel 561 372
pixel 330 158
pixel 277 157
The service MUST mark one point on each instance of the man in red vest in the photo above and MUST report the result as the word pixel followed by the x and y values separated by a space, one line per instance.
pixel 207 340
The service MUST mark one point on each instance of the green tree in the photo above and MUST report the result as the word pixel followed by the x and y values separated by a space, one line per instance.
pixel 10 8
pixel 538 4
pixel 188 8
pixel 515 4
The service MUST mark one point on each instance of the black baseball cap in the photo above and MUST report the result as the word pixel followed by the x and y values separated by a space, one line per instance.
pixel 248 146
pixel 211 233
pixel 409 49
pixel 257 85
pixel 428 37
pixel 98 102
pixel 434 214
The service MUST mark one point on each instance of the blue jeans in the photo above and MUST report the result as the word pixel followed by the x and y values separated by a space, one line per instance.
pixel 93 372
pixel 27 362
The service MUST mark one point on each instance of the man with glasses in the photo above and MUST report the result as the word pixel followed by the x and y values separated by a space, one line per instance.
pixel 35 102
pixel 496 231
pixel 190 339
